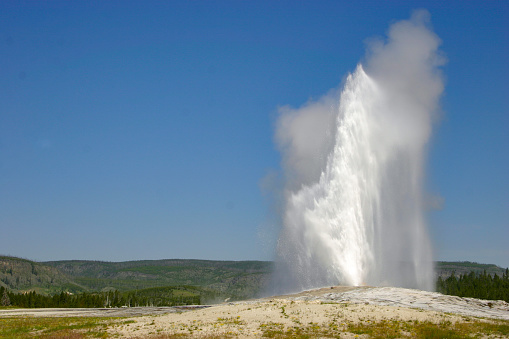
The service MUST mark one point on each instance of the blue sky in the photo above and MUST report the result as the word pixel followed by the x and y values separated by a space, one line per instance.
pixel 142 130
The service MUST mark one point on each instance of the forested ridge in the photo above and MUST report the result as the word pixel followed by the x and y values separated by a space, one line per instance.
pixel 80 283
pixel 236 279
pixel 445 268
pixel 159 296
pixel 476 285
pixel 19 274
pixel 231 279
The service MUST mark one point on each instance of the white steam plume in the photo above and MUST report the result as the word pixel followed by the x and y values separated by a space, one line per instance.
pixel 354 170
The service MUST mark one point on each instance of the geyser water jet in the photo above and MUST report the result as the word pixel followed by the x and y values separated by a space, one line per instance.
pixel 353 208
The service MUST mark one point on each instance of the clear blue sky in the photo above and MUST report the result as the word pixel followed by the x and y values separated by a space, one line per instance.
pixel 142 130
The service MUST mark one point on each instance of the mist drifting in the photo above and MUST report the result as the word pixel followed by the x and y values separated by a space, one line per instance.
pixel 353 164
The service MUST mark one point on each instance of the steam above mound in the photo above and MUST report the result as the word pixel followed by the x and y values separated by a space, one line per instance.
pixel 354 167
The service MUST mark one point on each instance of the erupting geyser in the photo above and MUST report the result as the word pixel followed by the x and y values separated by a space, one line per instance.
pixel 354 168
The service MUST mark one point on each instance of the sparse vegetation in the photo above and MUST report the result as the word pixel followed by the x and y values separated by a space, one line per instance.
pixel 389 329
pixel 75 327
pixel 97 328
pixel 427 329
pixel 297 320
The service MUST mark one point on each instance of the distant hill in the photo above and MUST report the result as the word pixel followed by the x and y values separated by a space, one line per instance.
pixel 237 279
pixel 224 279
pixel 18 274
pixel 445 268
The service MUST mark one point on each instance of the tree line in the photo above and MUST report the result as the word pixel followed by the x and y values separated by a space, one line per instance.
pixel 92 300
pixel 474 285
pixel 480 285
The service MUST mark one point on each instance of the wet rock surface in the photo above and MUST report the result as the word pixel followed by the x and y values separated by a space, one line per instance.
pixel 408 298
pixel 97 312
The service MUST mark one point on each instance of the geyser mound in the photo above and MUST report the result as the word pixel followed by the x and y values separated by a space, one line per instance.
pixel 354 168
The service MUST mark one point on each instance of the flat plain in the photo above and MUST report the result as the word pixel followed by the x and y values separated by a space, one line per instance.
pixel 345 312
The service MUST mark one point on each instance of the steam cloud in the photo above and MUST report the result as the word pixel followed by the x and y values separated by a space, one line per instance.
pixel 354 167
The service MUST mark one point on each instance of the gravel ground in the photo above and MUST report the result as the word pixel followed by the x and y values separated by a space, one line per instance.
pixel 307 311
pixel 95 312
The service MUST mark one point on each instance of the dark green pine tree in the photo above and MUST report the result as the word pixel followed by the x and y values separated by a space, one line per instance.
pixel 6 301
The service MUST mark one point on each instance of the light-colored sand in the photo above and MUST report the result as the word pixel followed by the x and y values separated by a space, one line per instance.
pixel 92 312
pixel 250 320
pixel 326 309
pixel 323 308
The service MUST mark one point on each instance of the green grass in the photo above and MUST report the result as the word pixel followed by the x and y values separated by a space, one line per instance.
pixel 68 327
pixel 390 329
pixel 76 327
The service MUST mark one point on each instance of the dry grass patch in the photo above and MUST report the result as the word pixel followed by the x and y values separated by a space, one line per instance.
pixel 70 327
pixel 391 329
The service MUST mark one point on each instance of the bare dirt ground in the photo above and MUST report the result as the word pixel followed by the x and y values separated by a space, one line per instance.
pixel 95 312
pixel 327 308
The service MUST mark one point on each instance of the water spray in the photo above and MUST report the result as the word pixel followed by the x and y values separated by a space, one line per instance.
pixel 353 211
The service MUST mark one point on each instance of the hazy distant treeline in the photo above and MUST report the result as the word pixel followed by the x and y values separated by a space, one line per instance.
pixel 159 297
pixel 476 285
